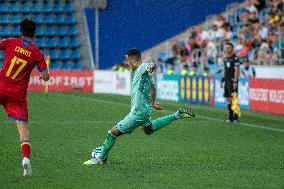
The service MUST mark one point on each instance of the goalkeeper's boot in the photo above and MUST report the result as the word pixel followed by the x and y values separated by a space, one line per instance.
pixel 93 161
pixel 184 113
pixel 96 157
pixel 26 163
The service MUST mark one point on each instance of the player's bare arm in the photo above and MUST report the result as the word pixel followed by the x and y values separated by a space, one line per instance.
pixel 236 75
pixel 151 68
pixel 223 80
pixel 44 75
pixel 155 104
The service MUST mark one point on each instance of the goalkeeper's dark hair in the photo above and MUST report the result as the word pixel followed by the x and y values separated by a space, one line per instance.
pixel 134 53
pixel 28 28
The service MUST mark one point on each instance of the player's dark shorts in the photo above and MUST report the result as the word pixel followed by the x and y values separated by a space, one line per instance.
pixel 15 107
pixel 229 89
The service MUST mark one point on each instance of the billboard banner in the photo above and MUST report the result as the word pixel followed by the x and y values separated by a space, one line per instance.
pixel 243 93
pixel 63 80
pixel 267 95
pixel 220 100
pixel 195 89
pixel 212 91
pixel 112 82
pixel 168 87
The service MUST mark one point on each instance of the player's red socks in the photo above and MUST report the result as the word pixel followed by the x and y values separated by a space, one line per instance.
pixel 26 148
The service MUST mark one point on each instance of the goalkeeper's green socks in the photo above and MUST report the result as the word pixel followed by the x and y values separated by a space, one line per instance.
pixel 163 121
pixel 107 145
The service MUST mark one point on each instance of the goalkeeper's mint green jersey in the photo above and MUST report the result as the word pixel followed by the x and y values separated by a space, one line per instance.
pixel 140 91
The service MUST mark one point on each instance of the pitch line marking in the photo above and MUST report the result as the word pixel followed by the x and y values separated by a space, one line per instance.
pixel 205 117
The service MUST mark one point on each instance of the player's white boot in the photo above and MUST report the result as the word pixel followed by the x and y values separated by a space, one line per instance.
pixel 184 113
pixel 93 161
pixel 26 163
pixel 96 157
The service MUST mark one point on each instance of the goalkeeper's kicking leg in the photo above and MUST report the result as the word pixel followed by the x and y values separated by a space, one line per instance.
pixel 100 154
pixel 160 123
pixel 127 125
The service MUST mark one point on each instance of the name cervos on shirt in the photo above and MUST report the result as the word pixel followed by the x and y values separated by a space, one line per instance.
pixel 23 51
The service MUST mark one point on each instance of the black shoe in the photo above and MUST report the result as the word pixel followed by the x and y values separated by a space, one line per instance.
pixel 235 121
pixel 228 120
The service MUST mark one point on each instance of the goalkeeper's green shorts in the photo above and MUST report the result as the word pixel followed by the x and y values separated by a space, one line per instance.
pixel 132 121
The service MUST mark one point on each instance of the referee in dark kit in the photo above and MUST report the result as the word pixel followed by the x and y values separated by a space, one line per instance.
pixel 231 74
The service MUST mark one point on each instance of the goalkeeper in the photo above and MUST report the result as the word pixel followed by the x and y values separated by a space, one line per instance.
pixel 143 98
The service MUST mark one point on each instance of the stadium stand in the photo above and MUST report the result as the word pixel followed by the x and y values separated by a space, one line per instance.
pixel 255 28
pixel 56 28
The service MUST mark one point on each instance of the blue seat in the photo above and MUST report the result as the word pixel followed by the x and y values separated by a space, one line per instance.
pixel 64 54
pixel 54 65
pixel 25 8
pixel 14 9
pixel 1 55
pixel 24 1
pixel 65 65
pixel 50 31
pixel 72 31
pixel 15 19
pixel 77 66
pixel 60 19
pixel 4 20
pixel 38 18
pixel 36 8
pixel 231 20
pixel 61 31
pixel 164 56
pixel 70 19
pixel 239 11
pixel 51 43
pixel 263 13
pixel 68 8
pixel 75 55
pixel 3 8
pixel 74 43
pixel 6 32
pixel 40 31
pixel 58 8
pixel 47 8
pixel 48 20
pixel 40 43
pixel 16 32
pixel 63 43
pixel 251 54
pixel 54 54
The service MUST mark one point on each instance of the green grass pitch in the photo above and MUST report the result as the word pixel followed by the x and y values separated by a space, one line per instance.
pixel 203 152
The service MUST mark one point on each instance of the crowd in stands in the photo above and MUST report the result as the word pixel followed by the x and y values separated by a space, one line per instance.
pixel 256 30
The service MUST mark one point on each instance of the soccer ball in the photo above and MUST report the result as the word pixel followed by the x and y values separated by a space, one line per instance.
pixel 96 153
